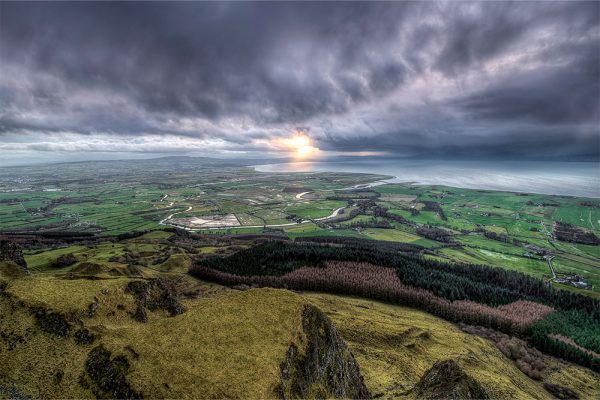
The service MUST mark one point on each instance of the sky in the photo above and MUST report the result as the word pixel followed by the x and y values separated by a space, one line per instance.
pixel 502 80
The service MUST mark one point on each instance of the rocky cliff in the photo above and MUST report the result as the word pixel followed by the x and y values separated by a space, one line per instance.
pixel 325 367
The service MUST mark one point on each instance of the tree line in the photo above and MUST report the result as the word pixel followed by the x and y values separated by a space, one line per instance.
pixel 475 294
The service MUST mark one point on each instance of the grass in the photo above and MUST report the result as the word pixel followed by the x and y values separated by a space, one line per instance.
pixel 146 249
pixel 461 256
pixel 358 218
pixel 390 235
pixel 224 346
pixel 180 263
pixel 69 296
pixel 231 231
pixel 395 345
pixel 326 232
pixel 315 209
pixel 111 200
pixel 157 235
pixel 40 259
pixel 9 270
pixel 301 228
pixel 230 344
pixel 481 242
pixel 32 366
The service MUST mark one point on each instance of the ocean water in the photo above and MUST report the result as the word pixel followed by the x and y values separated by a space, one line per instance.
pixel 548 177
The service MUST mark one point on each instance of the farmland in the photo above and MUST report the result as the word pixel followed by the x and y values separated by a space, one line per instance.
pixel 105 199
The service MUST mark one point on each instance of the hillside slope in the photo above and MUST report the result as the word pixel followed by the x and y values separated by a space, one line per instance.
pixel 395 347
pixel 77 339
pixel 82 337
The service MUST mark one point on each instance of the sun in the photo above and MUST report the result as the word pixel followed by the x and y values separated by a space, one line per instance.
pixel 300 144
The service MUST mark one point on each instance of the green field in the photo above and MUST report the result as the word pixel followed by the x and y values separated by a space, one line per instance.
pixel 108 199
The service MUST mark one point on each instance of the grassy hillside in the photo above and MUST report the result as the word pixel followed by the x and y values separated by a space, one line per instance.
pixel 239 337
pixel 123 319
pixel 229 343
pixel 395 346
pixel 226 343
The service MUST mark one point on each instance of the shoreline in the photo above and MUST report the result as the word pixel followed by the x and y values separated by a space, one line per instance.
pixel 557 181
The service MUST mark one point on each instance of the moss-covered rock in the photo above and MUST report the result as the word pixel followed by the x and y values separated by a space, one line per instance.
pixel 447 380
pixel 10 270
pixel 560 392
pixel 325 368
pixel 64 260
pixel 9 251
pixel 84 336
pixel 106 376
pixel 53 322
pixel 88 268
pixel 10 392
pixel 155 294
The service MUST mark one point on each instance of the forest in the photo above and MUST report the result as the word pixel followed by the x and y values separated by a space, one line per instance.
pixel 557 322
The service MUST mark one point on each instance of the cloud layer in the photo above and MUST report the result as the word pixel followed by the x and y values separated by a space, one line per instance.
pixel 505 79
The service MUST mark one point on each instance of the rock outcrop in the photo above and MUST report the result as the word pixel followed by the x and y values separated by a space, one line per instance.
pixel 106 376
pixel 560 392
pixel 154 294
pixel 9 251
pixel 447 380
pixel 54 323
pixel 64 261
pixel 325 368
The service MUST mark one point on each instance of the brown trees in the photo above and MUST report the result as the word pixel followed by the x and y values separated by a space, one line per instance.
pixel 382 283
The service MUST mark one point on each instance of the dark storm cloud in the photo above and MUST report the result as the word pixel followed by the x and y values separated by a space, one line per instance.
pixel 477 35
pixel 509 143
pixel 550 95
pixel 202 58
pixel 408 78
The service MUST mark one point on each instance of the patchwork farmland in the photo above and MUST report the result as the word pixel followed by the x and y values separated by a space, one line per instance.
pixel 513 230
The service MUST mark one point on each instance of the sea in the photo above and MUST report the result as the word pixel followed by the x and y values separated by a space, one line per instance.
pixel 581 179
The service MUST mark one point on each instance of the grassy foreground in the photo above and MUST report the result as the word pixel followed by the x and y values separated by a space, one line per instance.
pixel 395 345
pixel 228 343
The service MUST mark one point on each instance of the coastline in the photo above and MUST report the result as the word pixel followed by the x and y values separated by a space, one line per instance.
pixel 571 179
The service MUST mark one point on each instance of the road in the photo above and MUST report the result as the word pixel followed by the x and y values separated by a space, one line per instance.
pixel 549 260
